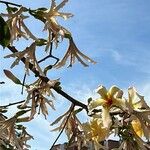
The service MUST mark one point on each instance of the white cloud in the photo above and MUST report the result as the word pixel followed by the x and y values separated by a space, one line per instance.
pixel 120 58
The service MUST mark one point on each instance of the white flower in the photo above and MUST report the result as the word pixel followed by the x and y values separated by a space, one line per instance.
pixel 55 31
pixel 30 58
pixel 16 25
pixel 74 53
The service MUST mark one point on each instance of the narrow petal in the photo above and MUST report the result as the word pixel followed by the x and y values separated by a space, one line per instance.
pixel 96 103
pixel 107 121
pixel 61 5
pixel 131 95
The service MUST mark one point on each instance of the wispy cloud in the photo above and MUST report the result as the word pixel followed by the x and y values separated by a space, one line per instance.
pixel 119 57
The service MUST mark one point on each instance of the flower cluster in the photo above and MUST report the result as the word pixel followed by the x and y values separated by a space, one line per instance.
pixel 134 119
pixel 29 56
pixel 55 31
pixel 17 26
pixel 13 135
pixel 37 94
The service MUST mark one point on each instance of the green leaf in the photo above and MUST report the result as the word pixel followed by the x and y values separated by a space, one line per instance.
pixel 20 113
pixel 89 100
pixel 12 77
pixel 41 42
pixel 4 33
pixel 78 110
pixel 12 9
pixel 38 14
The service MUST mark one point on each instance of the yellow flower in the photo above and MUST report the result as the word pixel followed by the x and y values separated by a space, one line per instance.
pixel 74 53
pixel 108 99
pixel 95 131
pixel 138 109
pixel 137 127
pixel 136 101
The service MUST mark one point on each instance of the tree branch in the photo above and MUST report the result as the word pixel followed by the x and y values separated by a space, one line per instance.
pixel 46 79
pixel 9 3
pixel 71 109
pixel 10 104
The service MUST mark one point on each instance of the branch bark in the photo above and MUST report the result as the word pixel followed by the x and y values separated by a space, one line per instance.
pixel 46 79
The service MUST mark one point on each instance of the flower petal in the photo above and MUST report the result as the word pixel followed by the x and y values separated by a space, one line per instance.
pixel 112 91
pixel 95 103
pixel 107 121
pixel 102 91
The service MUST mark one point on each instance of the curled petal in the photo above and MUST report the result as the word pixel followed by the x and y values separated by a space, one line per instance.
pixel 120 103
pixel 102 91
pixel 112 91
pixel 119 94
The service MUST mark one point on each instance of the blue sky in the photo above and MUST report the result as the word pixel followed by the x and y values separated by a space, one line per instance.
pixel 115 33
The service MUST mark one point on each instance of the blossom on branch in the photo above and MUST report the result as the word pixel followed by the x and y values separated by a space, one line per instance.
pixel 54 29
pixel 11 135
pixel 109 98
pixel 95 131
pixel 16 24
pixel 37 93
pixel 30 58
pixel 140 112
pixel 74 53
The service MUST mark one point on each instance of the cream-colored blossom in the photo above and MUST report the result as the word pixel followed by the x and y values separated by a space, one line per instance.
pixel 23 138
pixel 30 58
pixel 139 113
pixel 108 99
pixel 7 128
pixel 74 53
pixel 55 31
pixel 37 94
pixel 95 131
pixel 135 100
pixel 17 26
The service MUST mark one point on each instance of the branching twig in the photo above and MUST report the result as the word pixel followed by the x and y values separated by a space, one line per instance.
pixel 50 55
pixel 9 3
pixel 23 83
pixel 71 109
pixel 10 104
pixel 46 79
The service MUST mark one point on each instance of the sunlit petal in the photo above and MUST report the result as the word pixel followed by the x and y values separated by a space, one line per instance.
pixel 102 91
pixel 107 121
pixel 112 91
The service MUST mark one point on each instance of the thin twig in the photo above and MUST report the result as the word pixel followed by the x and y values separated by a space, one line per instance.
pixel 9 3
pixel 23 83
pixel 10 104
pixel 50 55
pixel 46 79
pixel 71 109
